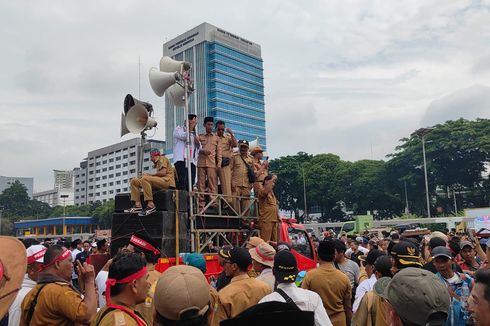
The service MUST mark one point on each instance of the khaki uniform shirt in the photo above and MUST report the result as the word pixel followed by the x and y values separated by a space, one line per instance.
pixel 242 293
pixel 145 309
pixel 57 304
pixel 268 207
pixel 334 288
pixel 212 143
pixel 213 304
pixel 239 175
pixel 257 165
pixel 372 311
pixel 226 145
pixel 114 317
pixel 162 163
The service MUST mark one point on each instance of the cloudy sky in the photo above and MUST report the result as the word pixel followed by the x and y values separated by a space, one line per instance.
pixel 346 77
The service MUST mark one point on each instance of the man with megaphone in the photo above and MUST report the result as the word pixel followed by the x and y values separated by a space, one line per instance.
pixel 163 178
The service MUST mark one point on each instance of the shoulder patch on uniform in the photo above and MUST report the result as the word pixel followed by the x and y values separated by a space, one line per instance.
pixel 119 319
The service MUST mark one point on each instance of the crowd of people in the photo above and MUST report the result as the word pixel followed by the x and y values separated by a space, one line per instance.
pixel 440 279
pixel 234 175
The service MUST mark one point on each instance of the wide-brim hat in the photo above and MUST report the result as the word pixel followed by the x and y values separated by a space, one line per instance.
pixel 254 242
pixel 13 265
pixel 264 254
pixel 256 149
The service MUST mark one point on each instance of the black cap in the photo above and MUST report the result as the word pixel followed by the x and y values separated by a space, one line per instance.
pixel 285 267
pixel 373 255
pixel 406 254
pixel 241 257
pixel 243 143
pixel 208 119
pixel 383 266
pixel 441 252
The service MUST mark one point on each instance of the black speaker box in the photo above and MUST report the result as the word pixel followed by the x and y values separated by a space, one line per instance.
pixel 165 200
pixel 160 226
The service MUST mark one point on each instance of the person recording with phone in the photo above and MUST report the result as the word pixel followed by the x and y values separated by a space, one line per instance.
pixel 179 152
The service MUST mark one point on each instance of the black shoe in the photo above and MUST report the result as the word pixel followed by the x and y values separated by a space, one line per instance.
pixel 133 210
pixel 147 211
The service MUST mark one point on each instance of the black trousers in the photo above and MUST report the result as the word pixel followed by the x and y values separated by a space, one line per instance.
pixel 181 169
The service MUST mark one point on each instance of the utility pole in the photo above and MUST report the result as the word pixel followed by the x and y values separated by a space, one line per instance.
pixel 304 190
pixel 407 211
pixel 421 133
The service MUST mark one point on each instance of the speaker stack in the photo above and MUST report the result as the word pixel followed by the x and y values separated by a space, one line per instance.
pixel 159 225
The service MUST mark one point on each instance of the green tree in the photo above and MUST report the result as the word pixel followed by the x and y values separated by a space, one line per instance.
pixel 15 200
pixel 456 152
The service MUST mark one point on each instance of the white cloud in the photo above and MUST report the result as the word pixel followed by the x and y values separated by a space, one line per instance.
pixel 341 76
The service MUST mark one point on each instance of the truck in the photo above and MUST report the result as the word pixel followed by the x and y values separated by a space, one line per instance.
pixel 179 230
pixel 479 220
pixel 360 224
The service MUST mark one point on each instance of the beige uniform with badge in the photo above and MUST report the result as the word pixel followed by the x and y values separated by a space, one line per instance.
pixel 146 308
pixel 207 164
pixel 58 303
pixel 150 183
pixel 268 214
pixel 239 181
pixel 114 318
pixel 242 293
pixel 224 173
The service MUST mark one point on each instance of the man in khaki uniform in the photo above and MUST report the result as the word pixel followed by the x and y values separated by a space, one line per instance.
pixel 208 160
pixel 240 184
pixel 163 178
pixel 261 168
pixel 228 142
pixel 331 284
pixel 127 286
pixel 268 209
pixel 243 291
pixel 54 300
pixel 145 247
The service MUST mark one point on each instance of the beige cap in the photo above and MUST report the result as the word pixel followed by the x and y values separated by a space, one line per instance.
pixel 264 254
pixel 256 149
pixel 180 289
pixel 13 264
pixel 439 234
pixel 254 242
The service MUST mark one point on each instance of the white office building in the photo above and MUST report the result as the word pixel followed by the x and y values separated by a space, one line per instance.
pixel 63 179
pixel 55 197
pixel 107 171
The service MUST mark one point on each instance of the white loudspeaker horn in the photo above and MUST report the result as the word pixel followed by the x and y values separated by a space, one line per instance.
pixel 124 129
pixel 176 93
pixel 160 81
pixel 130 101
pixel 253 143
pixel 137 119
pixel 168 64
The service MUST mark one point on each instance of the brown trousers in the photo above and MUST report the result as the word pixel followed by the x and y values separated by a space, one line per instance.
pixel 241 204
pixel 147 183
pixel 212 178
pixel 268 231
pixel 224 175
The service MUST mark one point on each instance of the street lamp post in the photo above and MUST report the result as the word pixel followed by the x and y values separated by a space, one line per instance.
pixel 421 133
pixel 64 212
pixel 304 190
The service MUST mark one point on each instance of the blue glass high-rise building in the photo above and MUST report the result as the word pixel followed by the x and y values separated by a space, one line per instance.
pixel 228 78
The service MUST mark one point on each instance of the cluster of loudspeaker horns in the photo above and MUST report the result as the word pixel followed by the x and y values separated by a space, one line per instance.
pixel 137 116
